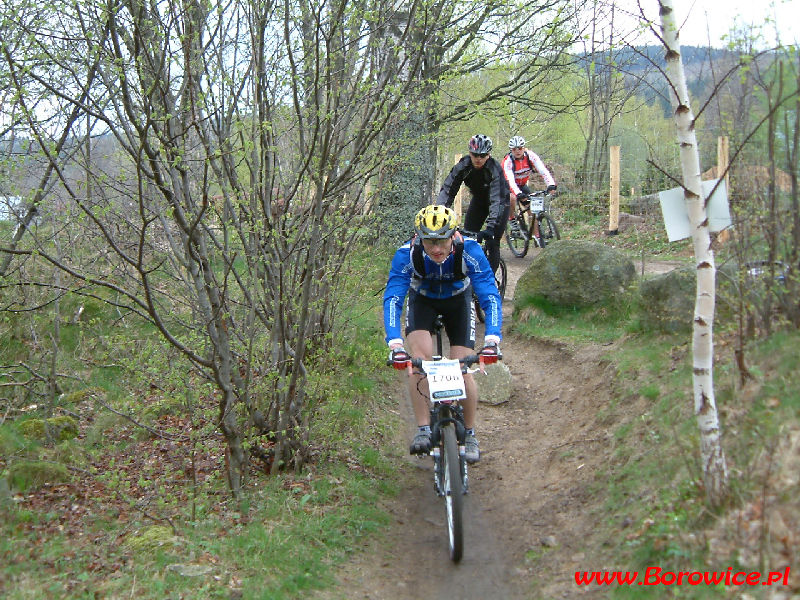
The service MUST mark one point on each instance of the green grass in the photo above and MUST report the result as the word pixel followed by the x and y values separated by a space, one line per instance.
pixel 653 480
pixel 283 538
pixel 602 324
pixel 647 239
pixel 287 544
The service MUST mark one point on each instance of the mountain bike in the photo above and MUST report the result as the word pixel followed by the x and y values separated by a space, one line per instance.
pixel 446 390
pixel 500 278
pixel 535 223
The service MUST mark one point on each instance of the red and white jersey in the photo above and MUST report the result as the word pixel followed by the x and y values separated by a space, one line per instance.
pixel 517 172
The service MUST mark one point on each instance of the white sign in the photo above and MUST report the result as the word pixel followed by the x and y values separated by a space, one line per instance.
pixel 676 214
pixel 445 380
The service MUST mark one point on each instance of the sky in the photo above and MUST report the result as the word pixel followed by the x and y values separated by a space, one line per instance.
pixel 701 20
pixel 704 20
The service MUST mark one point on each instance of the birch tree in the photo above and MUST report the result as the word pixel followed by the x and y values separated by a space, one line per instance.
pixel 714 467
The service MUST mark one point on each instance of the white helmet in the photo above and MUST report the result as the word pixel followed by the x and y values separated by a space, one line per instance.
pixel 516 142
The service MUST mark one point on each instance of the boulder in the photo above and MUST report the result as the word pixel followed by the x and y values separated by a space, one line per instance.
pixel 495 386
pixel 668 299
pixel 61 428
pixel 574 273
pixel 148 541
pixel 626 221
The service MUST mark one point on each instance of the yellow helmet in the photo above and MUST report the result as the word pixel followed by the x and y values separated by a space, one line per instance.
pixel 435 222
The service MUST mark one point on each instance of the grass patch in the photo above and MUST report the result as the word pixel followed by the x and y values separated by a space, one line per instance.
pixel 81 536
pixel 537 317
pixel 654 507
pixel 655 480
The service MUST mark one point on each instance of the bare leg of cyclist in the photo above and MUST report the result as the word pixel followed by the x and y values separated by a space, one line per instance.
pixel 420 344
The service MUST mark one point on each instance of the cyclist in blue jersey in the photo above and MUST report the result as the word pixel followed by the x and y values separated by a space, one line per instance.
pixel 438 270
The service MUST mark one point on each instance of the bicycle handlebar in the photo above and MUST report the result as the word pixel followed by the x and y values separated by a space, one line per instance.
pixel 466 361
pixel 535 194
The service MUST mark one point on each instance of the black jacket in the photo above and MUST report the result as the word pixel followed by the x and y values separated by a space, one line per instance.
pixel 487 184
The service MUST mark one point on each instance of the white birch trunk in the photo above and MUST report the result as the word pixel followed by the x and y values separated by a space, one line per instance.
pixel 715 470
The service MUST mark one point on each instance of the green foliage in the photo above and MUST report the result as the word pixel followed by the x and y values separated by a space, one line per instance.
pixel 408 183
pixel 652 482
pixel 603 323
pixel 27 475
pixel 11 440
pixel 150 541
pixel 292 530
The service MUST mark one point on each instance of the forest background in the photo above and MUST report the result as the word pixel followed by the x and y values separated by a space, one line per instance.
pixel 188 192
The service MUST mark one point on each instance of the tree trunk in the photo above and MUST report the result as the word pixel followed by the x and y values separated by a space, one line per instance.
pixel 715 471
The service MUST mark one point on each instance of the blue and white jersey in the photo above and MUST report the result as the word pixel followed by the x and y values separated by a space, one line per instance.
pixel 440 281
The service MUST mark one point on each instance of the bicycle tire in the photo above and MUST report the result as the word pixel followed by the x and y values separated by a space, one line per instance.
pixel 519 244
pixel 453 491
pixel 501 278
pixel 478 310
pixel 548 230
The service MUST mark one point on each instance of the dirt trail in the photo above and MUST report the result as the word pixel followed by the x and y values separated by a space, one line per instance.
pixel 530 513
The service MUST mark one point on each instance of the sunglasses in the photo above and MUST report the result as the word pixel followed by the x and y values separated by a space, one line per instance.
pixel 483 155
pixel 436 242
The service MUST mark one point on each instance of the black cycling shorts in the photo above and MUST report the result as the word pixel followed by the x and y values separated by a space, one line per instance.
pixel 458 314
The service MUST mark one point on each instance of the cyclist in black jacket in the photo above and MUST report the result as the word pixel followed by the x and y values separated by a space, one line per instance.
pixel 490 202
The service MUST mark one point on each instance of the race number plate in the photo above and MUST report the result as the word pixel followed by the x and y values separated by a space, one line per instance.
pixel 537 204
pixel 445 380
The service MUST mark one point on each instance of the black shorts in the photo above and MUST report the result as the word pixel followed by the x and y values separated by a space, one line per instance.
pixel 478 211
pixel 458 314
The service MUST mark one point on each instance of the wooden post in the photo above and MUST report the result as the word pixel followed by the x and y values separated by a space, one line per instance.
pixel 613 213
pixel 722 167
pixel 459 195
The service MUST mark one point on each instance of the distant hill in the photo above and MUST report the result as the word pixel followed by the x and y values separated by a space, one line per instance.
pixel 642 68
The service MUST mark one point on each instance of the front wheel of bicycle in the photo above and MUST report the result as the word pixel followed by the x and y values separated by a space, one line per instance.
pixel 548 230
pixel 453 492
pixel 518 242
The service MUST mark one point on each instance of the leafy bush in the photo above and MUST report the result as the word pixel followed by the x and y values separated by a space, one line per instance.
pixel 27 475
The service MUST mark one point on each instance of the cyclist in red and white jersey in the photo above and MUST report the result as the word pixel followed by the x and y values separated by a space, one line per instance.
pixel 518 165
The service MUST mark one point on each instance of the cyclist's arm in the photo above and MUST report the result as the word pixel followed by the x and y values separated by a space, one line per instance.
pixel 453 181
pixel 508 170
pixel 395 293
pixel 539 164
pixel 482 278
pixel 498 196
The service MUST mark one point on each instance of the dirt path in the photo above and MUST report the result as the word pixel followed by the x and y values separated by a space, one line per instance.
pixel 530 516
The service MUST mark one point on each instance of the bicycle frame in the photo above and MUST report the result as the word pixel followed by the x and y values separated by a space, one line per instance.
pixel 533 216
pixel 537 206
